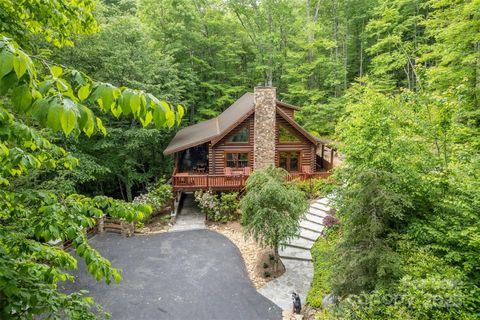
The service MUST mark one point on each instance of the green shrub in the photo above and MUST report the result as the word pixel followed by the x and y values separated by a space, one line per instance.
pixel 218 207
pixel 429 289
pixel 432 297
pixel 322 255
pixel 315 188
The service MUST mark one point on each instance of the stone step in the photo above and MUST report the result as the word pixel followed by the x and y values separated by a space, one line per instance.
pixel 317 212
pixel 324 201
pixel 311 226
pixel 295 254
pixel 320 206
pixel 308 234
pixel 313 218
pixel 300 243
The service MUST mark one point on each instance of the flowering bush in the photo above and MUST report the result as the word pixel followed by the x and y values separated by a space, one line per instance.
pixel 330 221
pixel 157 197
pixel 218 207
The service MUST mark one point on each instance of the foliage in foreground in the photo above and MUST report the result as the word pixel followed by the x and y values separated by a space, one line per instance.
pixel 271 208
pixel 407 229
pixel 218 206
pixel 35 94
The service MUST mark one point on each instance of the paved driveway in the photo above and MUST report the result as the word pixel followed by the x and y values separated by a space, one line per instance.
pixel 181 275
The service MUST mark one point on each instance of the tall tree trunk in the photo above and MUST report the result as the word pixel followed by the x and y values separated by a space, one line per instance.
pixel 345 56
pixel 477 74
pixel 335 38
pixel 276 259
pixel 120 184
pixel 311 23
pixel 360 71
pixel 270 49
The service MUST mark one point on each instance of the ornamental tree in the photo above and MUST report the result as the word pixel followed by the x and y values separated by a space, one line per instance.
pixel 37 98
pixel 271 208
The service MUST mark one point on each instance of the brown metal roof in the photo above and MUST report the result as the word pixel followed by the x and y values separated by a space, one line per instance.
pixel 206 131
pixel 215 129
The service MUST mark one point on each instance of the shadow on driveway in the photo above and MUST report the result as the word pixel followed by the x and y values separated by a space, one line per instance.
pixel 181 275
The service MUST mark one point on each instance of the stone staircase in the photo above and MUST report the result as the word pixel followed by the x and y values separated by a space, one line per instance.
pixel 311 226
pixel 297 259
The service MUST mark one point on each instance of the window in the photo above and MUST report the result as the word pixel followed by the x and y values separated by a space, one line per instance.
pixel 241 136
pixel 236 159
pixel 286 136
pixel 289 160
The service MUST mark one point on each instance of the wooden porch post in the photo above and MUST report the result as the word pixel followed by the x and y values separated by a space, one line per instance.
pixel 331 158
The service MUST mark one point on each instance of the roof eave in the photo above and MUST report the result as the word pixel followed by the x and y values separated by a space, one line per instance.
pixel 287 105
pixel 218 138
pixel 185 147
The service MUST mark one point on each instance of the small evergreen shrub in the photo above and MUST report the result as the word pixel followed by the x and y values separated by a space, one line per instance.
pixel 218 207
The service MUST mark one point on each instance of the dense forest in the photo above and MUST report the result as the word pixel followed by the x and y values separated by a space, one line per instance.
pixel 395 83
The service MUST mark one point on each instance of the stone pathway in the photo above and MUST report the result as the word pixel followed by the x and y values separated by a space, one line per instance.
pixel 297 259
pixel 190 217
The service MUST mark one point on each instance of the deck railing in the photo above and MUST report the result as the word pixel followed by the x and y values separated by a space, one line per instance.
pixel 192 182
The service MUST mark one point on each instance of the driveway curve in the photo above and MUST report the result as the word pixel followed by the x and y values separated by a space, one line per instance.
pixel 196 274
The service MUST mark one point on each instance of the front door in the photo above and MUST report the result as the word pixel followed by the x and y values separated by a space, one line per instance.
pixel 289 160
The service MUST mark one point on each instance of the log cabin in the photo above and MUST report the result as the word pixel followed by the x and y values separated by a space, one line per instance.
pixel 256 131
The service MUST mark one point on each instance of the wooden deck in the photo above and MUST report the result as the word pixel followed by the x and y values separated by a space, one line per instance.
pixel 193 182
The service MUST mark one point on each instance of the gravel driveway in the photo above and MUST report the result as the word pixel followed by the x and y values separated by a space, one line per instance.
pixel 181 275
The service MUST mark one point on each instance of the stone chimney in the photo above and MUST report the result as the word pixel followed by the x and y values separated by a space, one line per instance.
pixel 264 127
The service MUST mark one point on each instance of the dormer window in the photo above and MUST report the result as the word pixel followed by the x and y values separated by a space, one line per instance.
pixel 286 136
pixel 241 136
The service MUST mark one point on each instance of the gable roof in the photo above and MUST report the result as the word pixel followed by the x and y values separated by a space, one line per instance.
pixel 215 129
pixel 299 128
pixel 207 130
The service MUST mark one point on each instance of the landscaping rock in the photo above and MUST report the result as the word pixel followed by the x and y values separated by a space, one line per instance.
pixel 329 300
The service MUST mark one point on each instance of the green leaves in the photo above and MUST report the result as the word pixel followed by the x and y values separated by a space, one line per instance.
pixel 180 113
pixel 135 101
pixel 22 98
pixel 20 66
pixel 100 126
pixel 83 92
pixel 56 106
pixel 6 63
pixel 56 71
pixel 106 96
pixel 159 117
pixel 169 114
pixel 68 118
pixel 53 115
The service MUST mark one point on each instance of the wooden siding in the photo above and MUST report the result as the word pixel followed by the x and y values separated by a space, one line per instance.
pixel 217 152
pixel 288 111
pixel 306 148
